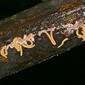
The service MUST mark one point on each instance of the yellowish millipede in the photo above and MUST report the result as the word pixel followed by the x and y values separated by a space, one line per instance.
pixel 17 46
pixel 83 33
pixel 51 37
pixel 62 42
pixel 4 52
pixel 28 46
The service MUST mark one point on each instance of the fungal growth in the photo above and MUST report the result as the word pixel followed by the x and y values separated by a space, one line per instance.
pixel 73 25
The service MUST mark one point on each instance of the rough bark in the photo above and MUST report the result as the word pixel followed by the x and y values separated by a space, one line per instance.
pixel 41 17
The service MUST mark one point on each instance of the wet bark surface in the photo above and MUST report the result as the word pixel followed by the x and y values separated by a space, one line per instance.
pixel 33 20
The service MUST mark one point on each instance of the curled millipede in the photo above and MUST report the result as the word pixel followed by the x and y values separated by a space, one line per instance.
pixel 17 46
pixel 17 43
pixel 51 37
pixel 4 51
pixel 83 33
pixel 62 42
pixel 28 46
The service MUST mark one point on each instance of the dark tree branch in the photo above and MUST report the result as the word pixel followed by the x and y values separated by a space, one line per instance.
pixel 58 21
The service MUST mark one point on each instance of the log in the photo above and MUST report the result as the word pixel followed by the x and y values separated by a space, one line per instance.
pixel 37 34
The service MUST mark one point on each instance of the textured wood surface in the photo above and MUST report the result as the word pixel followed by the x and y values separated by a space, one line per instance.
pixel 44 16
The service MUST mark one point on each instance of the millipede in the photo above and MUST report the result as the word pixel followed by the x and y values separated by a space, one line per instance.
pixel 43 34
pixel 19 42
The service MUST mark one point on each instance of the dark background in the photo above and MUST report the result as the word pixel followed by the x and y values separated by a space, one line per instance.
pixel 65 69
pixel 10 7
